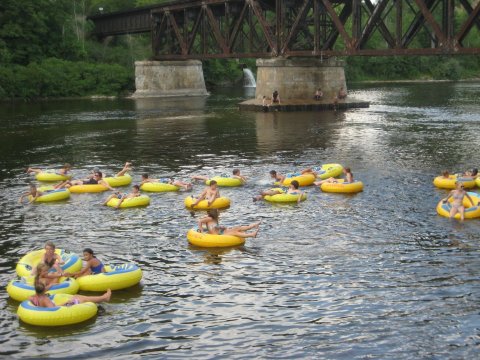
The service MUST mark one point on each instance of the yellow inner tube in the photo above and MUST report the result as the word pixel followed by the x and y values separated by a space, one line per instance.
pixel 89 188
pixel 284 197
pixel 115 278
pixel 51 195
pixel 56 316
pixel 117 181
pixel 51 177
pixel 142 200
pixel 472 211
pixel 444 183
pixel 21 289
pixel 341 187
pixel 208 240
pixel 158 187
pixel 329 170
pixel 219 203
pixel 477 181
pixel 25 265
pixel 303 180
pixel 226 181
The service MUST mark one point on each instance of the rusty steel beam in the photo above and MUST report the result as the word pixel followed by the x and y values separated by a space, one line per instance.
pixel 205 29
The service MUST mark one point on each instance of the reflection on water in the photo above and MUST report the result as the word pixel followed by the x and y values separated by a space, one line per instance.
pixel 373 275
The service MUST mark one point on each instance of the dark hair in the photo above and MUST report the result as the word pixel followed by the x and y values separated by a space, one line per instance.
pixel 32 185
pixel 99 173
pixel 212 182
pixel 474 171
pixel 145 176
pixel 88 250
pixel 67 165
pixel 136 187
pixel 295 184
pixel 347 169
pixel 213 213
pixel 39 288
pixel 273 172
pixel 236 171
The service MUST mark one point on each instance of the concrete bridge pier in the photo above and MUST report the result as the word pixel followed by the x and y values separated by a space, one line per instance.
pixel 169 78
pixel 299 78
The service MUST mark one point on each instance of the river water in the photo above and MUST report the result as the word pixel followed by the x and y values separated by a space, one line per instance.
pixel 374 275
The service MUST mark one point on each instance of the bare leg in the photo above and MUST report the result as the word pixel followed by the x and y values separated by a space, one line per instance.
pixel 453 211
pixel 245 227
pixel 186 186
pixel 200 177
pixel 126 168
pixel 36 171
pixel 308 171
pixel 95 299
pixel 329 180
pixel 240 234
pixel 61 185
pixel 265 193
pixel 108 199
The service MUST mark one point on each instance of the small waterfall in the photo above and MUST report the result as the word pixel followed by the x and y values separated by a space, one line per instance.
pixel 248 79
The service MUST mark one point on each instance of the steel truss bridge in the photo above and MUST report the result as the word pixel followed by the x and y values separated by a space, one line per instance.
pixel 189 29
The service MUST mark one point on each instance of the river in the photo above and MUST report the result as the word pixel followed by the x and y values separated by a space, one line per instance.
pixel 376 275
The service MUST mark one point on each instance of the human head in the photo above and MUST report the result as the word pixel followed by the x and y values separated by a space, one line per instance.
pixel 88 253
pixel 49 246
pixel 273 173
pixel 236 172
pixel 474 171
pixel 295 184
pixel 41 268
pixel 39 288
pixel 33 187
pixel 67 166
pixel 347 170
pixel 98 174
pixel 446 174
pixel 459 185
pixel 213 213
pixel 136 188
pixel 213 184
pixel 144 176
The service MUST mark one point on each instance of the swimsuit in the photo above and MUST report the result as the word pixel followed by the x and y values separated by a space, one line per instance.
pixel 97 269
pixel 49 263
pixel 72 302
pixel 90 182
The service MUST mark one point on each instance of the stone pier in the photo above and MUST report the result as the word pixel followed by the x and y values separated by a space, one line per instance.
pixel 169 78
pixel 296 80
pixel 299 78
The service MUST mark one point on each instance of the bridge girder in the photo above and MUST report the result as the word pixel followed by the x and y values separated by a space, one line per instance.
pixel 202 29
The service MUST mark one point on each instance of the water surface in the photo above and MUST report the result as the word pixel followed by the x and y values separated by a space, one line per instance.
pixel 373 275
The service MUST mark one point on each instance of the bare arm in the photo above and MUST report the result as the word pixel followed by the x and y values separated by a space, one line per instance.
pixel 200 197
pixel 448 197
pixel 106 184
pixel 469 198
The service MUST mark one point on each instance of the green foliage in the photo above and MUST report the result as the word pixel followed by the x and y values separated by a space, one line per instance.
pixel 412 67
pixel 36 34
pixel 222 71
pixel 55 78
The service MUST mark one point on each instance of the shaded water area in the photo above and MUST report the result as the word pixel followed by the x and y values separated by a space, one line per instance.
pixel 374 275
